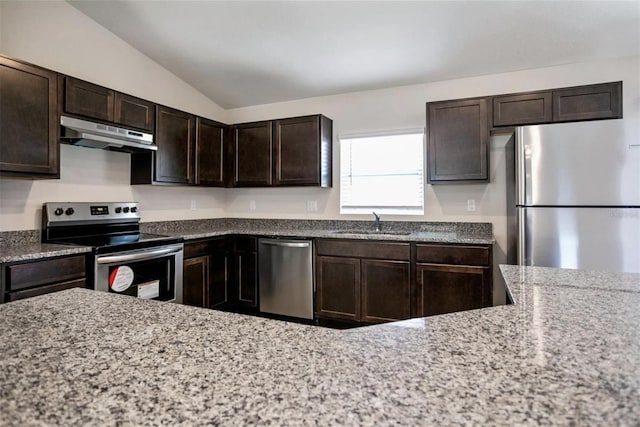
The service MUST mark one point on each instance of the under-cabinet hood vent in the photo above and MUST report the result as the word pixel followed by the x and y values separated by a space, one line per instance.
pixel 97 135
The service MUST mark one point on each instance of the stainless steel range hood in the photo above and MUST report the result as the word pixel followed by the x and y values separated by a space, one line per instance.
pixel 97 135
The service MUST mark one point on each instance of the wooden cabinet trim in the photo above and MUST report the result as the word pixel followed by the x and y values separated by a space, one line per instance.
pixel 454 254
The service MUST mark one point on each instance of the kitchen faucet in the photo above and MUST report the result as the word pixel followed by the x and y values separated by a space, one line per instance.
pixel 378 222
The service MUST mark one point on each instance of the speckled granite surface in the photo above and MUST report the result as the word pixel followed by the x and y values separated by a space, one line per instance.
pixel 24 245
pixel 29 251
pixel 567 353
pixel 443 232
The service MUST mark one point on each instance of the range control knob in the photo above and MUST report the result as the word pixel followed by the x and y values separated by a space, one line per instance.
pixel 59 211
pixel 134 209
pixel 118 209
pixel 125 209
pixel 69 211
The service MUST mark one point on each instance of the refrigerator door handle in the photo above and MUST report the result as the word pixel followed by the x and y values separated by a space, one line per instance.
pixel 520 168
pixel 522 229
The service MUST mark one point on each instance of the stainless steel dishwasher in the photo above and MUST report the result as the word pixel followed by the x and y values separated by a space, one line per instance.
pixel 286 280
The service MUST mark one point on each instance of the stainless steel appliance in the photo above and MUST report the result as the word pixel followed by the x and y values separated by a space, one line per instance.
pixel 286 277
pixel 98 135
pixel 576 202
pixel 123 260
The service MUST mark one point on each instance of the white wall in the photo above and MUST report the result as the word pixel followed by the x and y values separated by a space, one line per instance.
pixel 57 36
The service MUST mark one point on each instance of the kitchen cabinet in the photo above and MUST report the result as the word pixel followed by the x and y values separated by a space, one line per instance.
pixel 175 138
pixel 457 140
pixel 29 127
pixel 522 109
pixel 453 278
pixel 244 283
pixel 91 101
pixel 591 102
pixel 363 281
pixel 286 152
pixel 252 151
pixel 206 273
pixel 302 151
pixel 32 278
pixel 210 153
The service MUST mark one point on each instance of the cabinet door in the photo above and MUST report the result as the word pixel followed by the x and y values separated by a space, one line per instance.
pixel 386 290
pixel 522 109
pixel 134 112
pixel 338 288
pixel 458 136
pixel 599 101
pixel 196 282
pixel 219 280
pixel 175 133
pixel 297 151
pixel 29 127
pixel 252 153
pixel 448 288
pixel 209 153
pixel 246 276
pixel 88 100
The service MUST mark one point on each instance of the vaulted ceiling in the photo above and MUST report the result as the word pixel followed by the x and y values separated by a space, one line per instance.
pixel 241 53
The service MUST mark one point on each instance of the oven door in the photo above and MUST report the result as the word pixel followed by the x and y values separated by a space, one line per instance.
pixel 150 273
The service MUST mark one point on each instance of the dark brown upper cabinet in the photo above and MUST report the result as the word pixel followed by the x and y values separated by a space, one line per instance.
pixel 134 112
pixel 252 154
pixel 592 102
pixel 457 140
pixel 521 109
pixel 302 148
pixel 91 101
pixel 175 138
pixel 572 104
pixel 285 152
pixel 29 127
pixel 210 153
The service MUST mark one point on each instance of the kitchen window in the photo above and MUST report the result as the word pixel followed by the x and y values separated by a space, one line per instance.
pixel 382 172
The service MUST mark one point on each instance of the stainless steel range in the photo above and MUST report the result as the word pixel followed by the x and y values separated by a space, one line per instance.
pixel 124 260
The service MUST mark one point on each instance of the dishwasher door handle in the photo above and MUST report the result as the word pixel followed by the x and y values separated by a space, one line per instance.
pixel 285 244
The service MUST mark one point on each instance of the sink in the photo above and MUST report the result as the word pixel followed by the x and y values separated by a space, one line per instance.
pixel 373 232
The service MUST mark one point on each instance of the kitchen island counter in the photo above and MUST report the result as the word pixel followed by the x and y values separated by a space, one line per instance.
pixel 567 352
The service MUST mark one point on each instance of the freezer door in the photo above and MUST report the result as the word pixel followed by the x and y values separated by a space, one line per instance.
pixel 576 164
pixel 585 238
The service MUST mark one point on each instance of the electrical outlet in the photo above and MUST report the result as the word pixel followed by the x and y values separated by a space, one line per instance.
pixel 193 205
pixel 471 205
pixel 252 205
pixel 312 206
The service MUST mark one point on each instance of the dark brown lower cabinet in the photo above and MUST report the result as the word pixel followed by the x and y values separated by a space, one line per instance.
pixel 453 278
pixel 338 288
pixel 32 278
pixel 244 282
pixel 350 286
pixel 206 273
pixel 449 288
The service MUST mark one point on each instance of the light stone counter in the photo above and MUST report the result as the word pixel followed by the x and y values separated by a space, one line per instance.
pixel 567 353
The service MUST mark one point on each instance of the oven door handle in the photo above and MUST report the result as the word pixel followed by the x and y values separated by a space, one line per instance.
pixel 138 256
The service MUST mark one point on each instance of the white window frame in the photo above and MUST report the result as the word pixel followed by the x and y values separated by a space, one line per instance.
pixel 381 208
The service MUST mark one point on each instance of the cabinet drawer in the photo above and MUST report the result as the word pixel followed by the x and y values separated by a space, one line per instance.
pixel 364 249
pixel 41 290
pixel 27 275
pixel 247 244
pixel 454 254
pixel 204 247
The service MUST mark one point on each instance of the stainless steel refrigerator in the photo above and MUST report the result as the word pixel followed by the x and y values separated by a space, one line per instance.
pixel 574 201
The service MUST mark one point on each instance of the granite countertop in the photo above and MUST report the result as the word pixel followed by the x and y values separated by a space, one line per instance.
pixel 24 245
pixel 567 353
